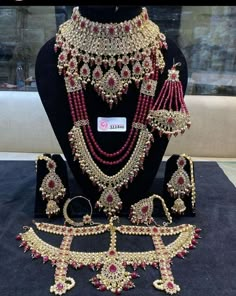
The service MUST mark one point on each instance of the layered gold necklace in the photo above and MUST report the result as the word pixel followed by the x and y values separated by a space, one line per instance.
pixel 111 185
pixel 110 57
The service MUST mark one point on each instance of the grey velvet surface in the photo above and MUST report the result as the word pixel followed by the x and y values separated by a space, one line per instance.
pixel 207 270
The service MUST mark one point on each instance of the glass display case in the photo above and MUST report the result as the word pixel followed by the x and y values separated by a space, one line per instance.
pixel 205 34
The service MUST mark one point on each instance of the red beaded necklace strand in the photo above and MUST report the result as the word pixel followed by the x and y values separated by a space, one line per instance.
pixel 79 112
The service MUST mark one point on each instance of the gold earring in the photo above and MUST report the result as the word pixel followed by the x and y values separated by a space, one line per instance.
pixel 52 188
pixel 179 186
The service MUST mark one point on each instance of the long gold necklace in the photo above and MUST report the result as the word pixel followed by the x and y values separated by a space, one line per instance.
pixel 109 200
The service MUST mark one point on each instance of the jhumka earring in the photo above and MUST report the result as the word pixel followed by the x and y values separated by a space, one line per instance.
pixel 179 186
pixel 141 212
pixel 169 114
pixel 51 188
pixel 87 219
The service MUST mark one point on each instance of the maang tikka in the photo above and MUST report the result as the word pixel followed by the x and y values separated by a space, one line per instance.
pixel 179 186
pixel 170 115
pixel 52 188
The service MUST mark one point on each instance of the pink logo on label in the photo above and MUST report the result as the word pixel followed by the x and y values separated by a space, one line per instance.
pixel 103 124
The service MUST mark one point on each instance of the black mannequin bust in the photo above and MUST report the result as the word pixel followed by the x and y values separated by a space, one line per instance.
pixel 53 94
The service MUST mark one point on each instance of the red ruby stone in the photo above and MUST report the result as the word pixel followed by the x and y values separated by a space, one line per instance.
pixel 109 198
pixel 155 264
pixel 112 268
pixel 143 265
pixel 102 288
pixel 149 87
pixel 173 76
pixel 127 28
pixel 62 57
pixel 155 229
pixel 117 292
pixel 170 120
pixel 111 30
pixel 194 242
pixel 111 81
pixel 37 256
pixel 23 244
pixel 51 184
pixel 85 72
pixel 18 237
pixel 51 165
pixel 170 285
pixel 181 181
pixel 97 74
pixel 45 259
pixel 126 73
pixel 97 284
pixel 95 29
pixel 139 23
pixel 112 253
pixel 60 286
pixel 180 255
pixel 144 209
pixel 137 70
pixel 181 162
pixel 145 16
pixel 82 24
pixel 125 288
pixel 74 17
pixel 72 82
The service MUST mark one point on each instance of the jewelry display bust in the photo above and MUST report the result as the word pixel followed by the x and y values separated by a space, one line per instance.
pixel 53 93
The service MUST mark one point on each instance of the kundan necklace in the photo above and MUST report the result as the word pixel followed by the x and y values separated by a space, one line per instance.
pixel 100 54
pixel 70 62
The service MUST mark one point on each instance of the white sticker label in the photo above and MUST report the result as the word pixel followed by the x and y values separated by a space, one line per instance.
pixel 111 124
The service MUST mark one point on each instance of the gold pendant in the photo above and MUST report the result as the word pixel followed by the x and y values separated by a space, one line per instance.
pixel 109 201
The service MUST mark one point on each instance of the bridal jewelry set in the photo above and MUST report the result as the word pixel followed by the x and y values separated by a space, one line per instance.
pixel 110 57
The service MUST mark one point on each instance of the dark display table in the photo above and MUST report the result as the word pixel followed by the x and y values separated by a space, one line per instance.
pixel 207 270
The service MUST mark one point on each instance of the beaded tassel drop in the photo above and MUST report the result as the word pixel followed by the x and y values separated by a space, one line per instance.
pixel 169 114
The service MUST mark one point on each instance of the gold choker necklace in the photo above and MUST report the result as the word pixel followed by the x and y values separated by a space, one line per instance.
pixel 109 56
